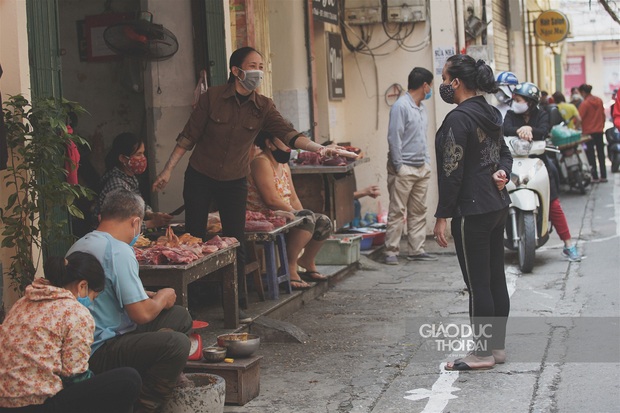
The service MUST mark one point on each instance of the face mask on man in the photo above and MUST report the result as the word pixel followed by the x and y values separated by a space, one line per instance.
pixel 520 107
pixel 135 238
pixel 428 95
pixel 251 79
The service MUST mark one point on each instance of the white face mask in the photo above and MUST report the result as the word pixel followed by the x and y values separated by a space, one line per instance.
pixel 519 107
pixel 252 79
pixel 502 98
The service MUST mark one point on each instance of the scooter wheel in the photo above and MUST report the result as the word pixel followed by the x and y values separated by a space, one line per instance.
pixel 615 163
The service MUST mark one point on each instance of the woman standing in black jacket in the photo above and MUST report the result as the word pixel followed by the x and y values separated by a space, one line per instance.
pixel 473 163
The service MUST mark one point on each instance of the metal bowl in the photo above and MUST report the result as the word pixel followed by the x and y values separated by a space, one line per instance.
pixel 214 354
pixel 239 345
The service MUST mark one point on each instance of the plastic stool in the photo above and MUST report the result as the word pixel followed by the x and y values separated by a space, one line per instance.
pixel 276 276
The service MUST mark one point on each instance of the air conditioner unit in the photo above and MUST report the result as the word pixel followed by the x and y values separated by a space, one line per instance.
pixel 362 11
pixel 406 11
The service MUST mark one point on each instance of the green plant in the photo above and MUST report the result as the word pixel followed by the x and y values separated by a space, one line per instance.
pixel 37 138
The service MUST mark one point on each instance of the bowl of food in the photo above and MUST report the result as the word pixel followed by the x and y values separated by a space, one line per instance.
pixel 214 354
pixel 239 344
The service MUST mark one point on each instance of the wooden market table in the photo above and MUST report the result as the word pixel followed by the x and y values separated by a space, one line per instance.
pixel 221 264
pixel 327 189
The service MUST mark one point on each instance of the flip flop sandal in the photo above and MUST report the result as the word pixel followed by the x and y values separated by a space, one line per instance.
pixel 300 285
pixel 462 366
pixel 307 276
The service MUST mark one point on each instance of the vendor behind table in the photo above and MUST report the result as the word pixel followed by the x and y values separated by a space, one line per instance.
pixel 124 161
pixel 221 132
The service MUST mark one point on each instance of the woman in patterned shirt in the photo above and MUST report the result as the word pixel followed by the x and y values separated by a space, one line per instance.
pixel 123 162
pixel 45 346
pixel 270 188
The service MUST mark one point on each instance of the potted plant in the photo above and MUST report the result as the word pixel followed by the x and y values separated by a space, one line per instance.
pixel 40 201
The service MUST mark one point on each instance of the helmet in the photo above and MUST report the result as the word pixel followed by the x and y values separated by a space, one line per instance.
pixel 528 90
pixel 507 82
pixel 507 78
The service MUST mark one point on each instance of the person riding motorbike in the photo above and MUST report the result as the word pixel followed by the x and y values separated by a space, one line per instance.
pixel 506 82
pixel 528 122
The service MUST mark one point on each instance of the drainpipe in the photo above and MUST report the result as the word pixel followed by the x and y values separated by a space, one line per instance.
pixel 460 24
pixel 312 88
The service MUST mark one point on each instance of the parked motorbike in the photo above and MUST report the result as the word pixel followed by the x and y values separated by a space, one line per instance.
pixel 613 147
pixel 571 161
pixel 528 225
pixel 573 166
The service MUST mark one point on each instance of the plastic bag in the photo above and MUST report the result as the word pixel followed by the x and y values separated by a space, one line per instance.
pixel 562 131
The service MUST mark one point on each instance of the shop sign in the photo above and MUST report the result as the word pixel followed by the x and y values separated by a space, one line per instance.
pixel 551 26
pixel 325 10
pixel 335 69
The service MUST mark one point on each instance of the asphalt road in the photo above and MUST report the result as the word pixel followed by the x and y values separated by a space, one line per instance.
pixel 365 352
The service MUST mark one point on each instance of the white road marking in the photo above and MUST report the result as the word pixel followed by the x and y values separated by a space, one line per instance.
pixel 440 393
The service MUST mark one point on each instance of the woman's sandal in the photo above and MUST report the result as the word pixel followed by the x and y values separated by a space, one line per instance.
pixel 467 364
pixel 313 276
pixel 300 285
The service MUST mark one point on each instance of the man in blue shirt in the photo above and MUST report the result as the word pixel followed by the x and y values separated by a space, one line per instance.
pixel 133 328
pixel 409 169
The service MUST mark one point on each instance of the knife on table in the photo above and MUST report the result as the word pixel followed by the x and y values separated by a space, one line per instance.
pixel 178 210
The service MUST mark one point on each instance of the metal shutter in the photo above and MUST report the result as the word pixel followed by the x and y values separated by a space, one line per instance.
pixel 500 36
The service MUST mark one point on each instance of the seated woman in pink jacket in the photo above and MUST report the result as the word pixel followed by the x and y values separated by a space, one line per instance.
pixel 45 346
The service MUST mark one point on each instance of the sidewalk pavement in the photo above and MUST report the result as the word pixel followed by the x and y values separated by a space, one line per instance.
pixel 357 331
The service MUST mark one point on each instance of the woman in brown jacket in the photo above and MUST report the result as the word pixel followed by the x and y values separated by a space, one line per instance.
pixel 221 132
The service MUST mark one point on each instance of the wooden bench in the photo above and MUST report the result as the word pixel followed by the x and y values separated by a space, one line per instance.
pixel 242 377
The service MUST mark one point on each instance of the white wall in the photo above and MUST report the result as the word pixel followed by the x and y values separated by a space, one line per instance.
pixel 168 112
pixel 15 80
pixel 289 63
pixel 367 114
pixel 601 60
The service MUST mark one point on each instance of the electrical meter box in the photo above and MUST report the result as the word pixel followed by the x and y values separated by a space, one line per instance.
pixel 406 11
pixel 359 12
pixel 362 11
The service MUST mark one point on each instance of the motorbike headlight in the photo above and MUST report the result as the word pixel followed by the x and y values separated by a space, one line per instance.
pixel 520 147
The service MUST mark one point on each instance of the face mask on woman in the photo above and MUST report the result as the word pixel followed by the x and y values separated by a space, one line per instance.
pixel 137 164
pixel 520 107
pixel 446 91
pixel 281 156
pixel 252 78
pixel 85 301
